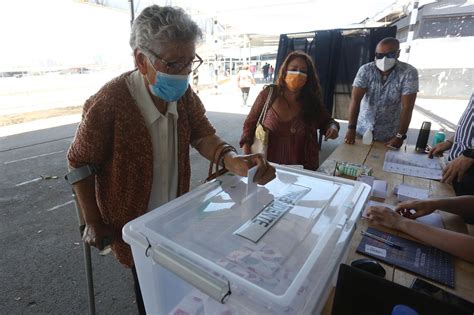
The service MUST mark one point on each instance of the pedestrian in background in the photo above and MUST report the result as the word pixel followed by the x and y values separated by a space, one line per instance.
pixel 244 81
pixel 270 73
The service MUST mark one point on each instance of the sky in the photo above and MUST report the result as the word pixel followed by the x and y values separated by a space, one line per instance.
pixel 70 33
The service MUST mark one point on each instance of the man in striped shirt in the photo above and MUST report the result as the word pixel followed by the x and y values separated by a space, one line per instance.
pixel 460 169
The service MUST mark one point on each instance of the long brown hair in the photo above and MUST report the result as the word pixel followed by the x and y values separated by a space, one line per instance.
pixel 310 95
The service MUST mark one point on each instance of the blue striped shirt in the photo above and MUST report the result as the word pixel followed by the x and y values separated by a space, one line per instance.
pixel 464 136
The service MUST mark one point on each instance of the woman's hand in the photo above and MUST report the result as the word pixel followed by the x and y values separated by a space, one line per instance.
pixel 422 207
pixel 331 133
pixel 240 164
pixel 97 234
pixel 385 217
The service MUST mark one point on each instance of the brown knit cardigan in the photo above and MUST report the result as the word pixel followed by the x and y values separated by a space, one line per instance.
pixel 113 135
pixel 311 154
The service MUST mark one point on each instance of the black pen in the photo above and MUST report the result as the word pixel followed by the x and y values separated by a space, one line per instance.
pixel 381 239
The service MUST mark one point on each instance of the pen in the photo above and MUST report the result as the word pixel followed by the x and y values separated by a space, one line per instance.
pixel 381 239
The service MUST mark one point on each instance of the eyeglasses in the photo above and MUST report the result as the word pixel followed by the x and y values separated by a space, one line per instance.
pixel 392 54
pixel 178 67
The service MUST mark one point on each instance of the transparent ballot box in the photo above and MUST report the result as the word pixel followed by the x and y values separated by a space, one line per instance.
pixel 231 248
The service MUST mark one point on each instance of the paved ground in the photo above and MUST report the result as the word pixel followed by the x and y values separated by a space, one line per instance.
pixel 41 270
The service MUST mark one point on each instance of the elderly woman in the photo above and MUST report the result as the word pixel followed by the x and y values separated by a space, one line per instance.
pixel 295 113
pixel 136 131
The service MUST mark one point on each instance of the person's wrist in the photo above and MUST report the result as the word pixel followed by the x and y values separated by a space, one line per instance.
pixel 400 136
pixel 228 157
pixel 434 204
pixel 351 126
pixel 468 153
pixel 402 224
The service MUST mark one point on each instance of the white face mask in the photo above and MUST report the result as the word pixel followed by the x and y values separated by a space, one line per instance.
pixel 385 63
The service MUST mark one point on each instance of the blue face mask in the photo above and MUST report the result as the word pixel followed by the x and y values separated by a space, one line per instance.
pixel 169 87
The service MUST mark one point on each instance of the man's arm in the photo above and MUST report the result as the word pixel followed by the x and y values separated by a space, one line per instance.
pixel 408 103
pixel 354 108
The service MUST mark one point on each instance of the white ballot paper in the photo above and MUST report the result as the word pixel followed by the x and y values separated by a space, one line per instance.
pixel 413 164
pixel 251 186
pixel 408 192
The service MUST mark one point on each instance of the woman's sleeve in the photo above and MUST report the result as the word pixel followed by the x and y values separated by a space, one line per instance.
pixel 94 135
pixel 201 127
pixel 250 123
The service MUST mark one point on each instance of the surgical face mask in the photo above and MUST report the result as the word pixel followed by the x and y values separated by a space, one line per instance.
pixel 169 87
pixel 385 63
pixel 295 80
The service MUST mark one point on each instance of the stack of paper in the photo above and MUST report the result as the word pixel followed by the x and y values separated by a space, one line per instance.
pixel 413 164
pixel 406 192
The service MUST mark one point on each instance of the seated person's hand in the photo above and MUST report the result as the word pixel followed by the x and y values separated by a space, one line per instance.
pixel 240 164
pixel 331 133
pixel 394 143
pixel 422 207
pixel 439 148
pixel 456 169
pixel 350 136
pixel 385 217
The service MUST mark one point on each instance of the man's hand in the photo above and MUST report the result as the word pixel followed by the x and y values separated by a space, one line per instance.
pixel 394 143
pixel 331 133
pixel 240 164
pixel 95 234
pixel 439 148
pixel 422 208
pixel 456 169
pixel 385 217
pixel 350 136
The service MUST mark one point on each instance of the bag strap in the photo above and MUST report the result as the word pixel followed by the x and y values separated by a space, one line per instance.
pixel 218 160
pixel 261 118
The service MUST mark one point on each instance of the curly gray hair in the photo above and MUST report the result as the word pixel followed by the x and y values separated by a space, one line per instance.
pixel 157 26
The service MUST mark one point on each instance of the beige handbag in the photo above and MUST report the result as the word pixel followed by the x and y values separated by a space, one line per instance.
pixel 260 141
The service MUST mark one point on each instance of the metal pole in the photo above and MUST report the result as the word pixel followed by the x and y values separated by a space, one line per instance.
pixel 132 12
pixel 87 258
pixel 411 28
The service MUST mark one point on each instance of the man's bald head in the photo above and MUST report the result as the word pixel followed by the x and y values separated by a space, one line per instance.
pixel 388 44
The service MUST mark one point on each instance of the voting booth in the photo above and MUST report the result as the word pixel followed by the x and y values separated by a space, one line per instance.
pixel 232 248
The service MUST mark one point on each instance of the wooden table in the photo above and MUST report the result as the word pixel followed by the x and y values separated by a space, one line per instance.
pixel 373 156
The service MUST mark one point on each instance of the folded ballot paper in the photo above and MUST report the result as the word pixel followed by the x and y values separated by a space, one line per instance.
pixel 379 187
pixel 407 192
